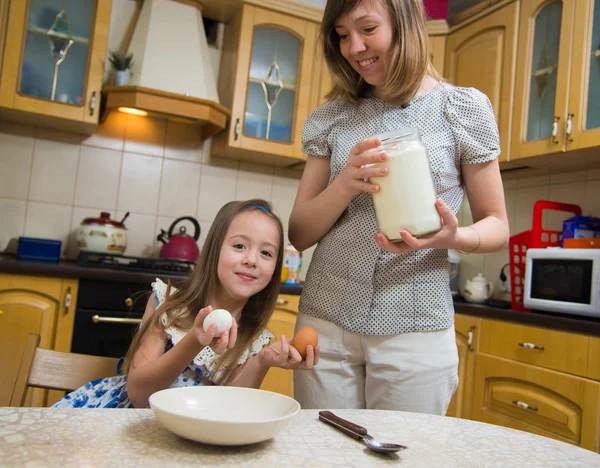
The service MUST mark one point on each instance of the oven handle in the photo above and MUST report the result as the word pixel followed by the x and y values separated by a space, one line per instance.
pixel 99 319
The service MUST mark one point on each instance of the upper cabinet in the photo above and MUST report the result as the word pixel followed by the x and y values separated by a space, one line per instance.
pixel 265 79
pixel 53 62
pixel 482 55
pixel 557 93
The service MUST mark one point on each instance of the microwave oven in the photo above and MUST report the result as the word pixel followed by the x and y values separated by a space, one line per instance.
pixel 563 280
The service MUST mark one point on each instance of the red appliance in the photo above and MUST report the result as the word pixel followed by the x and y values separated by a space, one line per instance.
pixel 180 246
pixel 536 238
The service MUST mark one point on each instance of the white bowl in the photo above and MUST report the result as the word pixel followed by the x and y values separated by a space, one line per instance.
pixel 223 415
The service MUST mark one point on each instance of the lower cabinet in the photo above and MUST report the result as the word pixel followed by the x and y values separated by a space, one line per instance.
pixel 282 322
pixel 538 400
pixel 40 305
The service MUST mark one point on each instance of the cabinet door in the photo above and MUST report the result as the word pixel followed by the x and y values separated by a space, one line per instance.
pixel 467 341
pixel 594 359
pixel 488 46
pixel 283 322
pixel 272 90
pixel 54 58
pixel 583 120
pixel 437 46
pixel 542 78
pixel 537 400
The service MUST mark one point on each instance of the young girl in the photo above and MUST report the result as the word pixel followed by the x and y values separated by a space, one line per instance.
pixel 239 270
pixel 384 311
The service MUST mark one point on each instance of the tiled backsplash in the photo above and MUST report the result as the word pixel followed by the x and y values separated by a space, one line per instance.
pixel 158 170
pixel 580 188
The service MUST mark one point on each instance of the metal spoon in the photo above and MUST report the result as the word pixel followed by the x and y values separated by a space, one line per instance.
pixel 358 432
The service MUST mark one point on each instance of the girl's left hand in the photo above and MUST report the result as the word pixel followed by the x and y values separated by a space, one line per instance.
pixel 443 239
pixel 283 354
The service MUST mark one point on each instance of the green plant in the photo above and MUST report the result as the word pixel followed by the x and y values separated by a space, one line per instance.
pixel 120 61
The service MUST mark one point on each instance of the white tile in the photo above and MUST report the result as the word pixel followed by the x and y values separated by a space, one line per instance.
pixel 49 221
pixel 139 184
pixel 467 216
pixel 204 229
pixel 54 171
pixel 470 265
pixel 493 263
pixel 145 135
pixel 16 154
pixel 510 200
pixel 592 195
pixel 534 181
pixel 12 128
pixel 284 195
pixel 79 214
pixel 254 184
pixel 217 187
pixel 510 183
pixel 179 188
pixel 573 193
pixel 306 259
pixel 593 174
pixel 526 198
pixel 58 136
pixel 165 223
pixel 13 222
pixel 141 234
pixel 566 177
pixel 98 177
pixel 110 134
pixel 184 141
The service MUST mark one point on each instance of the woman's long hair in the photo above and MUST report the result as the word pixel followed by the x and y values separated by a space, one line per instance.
pixel 181 307
pixel 410 59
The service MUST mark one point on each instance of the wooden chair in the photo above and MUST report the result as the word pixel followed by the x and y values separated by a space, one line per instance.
pixel 55 370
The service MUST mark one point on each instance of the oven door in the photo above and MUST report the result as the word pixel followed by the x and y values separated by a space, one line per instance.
pixel 104 333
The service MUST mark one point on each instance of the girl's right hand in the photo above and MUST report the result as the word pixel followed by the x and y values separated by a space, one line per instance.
pixel 358 167
pixel 207 338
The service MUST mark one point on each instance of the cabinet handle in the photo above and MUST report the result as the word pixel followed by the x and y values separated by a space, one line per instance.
pixel 93 102
pixel 67 300
pixel 569 127
pixel 555 130
pixel 522 404
pixel 531 346
pixel 128 302
pixel 1 313
pixel 237 128
pixel 470 338
pixel 282 301
pixel 99 319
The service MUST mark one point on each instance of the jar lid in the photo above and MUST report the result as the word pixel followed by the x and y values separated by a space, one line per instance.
pixel 104 219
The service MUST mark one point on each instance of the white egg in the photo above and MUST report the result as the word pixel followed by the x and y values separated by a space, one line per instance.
pixel 221 318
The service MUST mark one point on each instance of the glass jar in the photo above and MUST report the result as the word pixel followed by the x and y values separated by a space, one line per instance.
pixel 406 196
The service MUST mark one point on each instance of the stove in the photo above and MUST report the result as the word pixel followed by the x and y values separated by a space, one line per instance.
pixel 145 264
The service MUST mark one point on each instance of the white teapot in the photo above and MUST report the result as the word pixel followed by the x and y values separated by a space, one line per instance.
pixel 478 289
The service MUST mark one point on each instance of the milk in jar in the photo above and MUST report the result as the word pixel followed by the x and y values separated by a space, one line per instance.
pixel 406 196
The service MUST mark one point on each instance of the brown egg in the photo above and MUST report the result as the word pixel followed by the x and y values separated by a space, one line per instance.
pixel 305 336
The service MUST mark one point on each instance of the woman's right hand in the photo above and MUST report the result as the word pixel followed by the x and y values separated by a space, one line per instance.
pixel 358 167
pixel 207 338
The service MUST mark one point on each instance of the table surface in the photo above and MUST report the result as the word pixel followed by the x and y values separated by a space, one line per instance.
pixel 133 437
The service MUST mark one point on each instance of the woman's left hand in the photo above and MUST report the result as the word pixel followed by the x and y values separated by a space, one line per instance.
pixel 443 239
pixel 283 354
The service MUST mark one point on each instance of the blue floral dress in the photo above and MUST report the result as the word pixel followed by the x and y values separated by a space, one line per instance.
pixel 112 392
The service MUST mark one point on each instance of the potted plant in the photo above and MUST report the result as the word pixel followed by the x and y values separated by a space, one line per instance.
pixel 122 64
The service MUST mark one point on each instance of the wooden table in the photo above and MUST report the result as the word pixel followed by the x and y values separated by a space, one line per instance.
pixel 121 437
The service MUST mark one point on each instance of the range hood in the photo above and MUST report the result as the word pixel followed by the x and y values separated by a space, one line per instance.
pixel 172 75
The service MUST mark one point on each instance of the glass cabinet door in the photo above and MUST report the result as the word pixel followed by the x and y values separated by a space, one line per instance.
pixel 544 64
pixel 54 62
pixel 271 98
pixel 592 120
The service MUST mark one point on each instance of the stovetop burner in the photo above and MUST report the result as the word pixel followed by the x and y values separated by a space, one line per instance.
pixel 122 262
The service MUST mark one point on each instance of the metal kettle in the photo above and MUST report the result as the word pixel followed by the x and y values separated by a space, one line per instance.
pixel 180 246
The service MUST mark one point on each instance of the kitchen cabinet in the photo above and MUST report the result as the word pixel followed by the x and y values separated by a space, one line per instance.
pixel 33 304
pixel 593 371
pixel 538 400
pixel 437 31
pixel 488 45
pixel 53 63
pixel 467 330
pixel 557 97
pixel 265 78
pixel 283 322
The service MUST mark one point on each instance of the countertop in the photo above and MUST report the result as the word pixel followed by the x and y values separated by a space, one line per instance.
pixel 133 437
pixel 70 269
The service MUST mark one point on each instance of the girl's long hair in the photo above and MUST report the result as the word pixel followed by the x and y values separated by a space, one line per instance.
pixel 181 307
pixel 410 59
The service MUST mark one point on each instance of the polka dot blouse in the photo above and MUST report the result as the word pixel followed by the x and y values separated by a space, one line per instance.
pixel 351 281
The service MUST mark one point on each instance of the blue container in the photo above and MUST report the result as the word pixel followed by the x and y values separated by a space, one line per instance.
pixel 580 227
pixel 38 250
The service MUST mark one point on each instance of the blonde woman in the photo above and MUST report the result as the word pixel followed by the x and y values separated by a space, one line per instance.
pixel 384 311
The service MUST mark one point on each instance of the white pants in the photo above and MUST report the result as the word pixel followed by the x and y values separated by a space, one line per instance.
pixel 415 372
